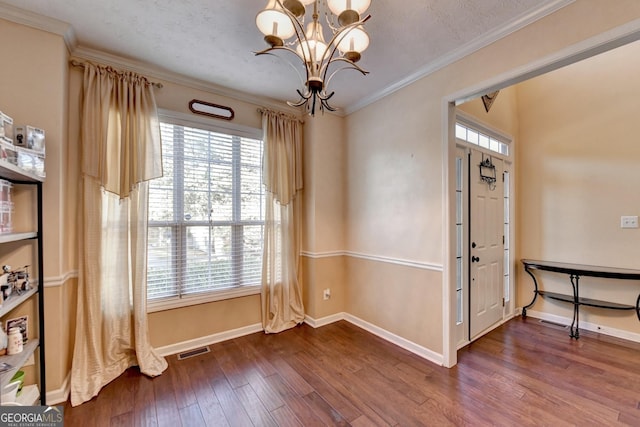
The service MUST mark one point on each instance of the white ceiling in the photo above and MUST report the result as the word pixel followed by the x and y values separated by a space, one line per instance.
pixel 214 40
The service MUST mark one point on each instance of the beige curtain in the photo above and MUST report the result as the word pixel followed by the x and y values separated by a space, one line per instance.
pixel 120 143
pixel 282 306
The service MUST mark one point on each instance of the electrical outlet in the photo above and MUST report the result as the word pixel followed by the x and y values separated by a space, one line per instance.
pixel 326 294
pixel 629 221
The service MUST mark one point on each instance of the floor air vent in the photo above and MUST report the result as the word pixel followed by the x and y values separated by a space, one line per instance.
pixel 550 323
pixel 194 352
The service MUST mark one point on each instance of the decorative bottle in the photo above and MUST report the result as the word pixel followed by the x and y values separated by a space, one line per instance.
pixel 3 341
pixel 14 345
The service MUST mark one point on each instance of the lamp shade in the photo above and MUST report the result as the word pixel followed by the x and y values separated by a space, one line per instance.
pixel 314 47
pixel 354 40
pixel 273 21
pixel 339 6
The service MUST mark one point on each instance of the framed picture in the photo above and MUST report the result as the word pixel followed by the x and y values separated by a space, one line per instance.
pixel 22 323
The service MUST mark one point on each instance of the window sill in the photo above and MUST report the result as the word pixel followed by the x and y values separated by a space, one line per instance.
pixel 186 301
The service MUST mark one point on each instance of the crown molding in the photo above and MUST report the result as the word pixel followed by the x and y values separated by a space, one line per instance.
pixel 512 26
pixel 154 72
pixel 39 22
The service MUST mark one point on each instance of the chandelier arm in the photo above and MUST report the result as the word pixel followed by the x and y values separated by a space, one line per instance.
pixel 325 105
pixel 269 50
pixel 350 66
pixel 326 97
pixel 303 99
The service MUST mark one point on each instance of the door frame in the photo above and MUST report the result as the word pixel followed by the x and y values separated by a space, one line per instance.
pixel 616 37
pixel 462 334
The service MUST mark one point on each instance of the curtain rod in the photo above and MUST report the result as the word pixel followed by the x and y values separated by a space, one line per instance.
pixel 81 64
pixel 264 110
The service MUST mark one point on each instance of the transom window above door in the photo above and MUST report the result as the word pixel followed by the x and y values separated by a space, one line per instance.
pixel 474 136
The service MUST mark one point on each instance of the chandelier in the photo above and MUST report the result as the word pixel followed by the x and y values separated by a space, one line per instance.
pixel 283 24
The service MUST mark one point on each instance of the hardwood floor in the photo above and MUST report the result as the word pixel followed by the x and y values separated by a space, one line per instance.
pixel 523 373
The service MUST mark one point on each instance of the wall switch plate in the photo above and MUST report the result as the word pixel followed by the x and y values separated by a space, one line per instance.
pixel 326 294
pixel 629 221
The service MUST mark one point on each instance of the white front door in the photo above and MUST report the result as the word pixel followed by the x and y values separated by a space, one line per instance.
pixel 486 243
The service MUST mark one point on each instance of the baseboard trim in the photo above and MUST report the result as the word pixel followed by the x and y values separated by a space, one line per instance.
pixel 61 395
pixel 587 326
pixel 316 323
pixel 168 350
pixel 414 348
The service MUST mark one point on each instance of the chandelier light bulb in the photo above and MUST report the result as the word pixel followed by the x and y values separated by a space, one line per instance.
pixel 314 48
pixel 353 43
pixel 275 24
pixel 348 11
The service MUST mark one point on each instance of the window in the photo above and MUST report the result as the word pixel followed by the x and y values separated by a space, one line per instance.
pixel 507 228
pixel 459 239
pixel 206 215
pixel 473 136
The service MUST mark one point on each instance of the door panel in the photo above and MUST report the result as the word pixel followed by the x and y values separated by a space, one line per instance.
pixel 487 246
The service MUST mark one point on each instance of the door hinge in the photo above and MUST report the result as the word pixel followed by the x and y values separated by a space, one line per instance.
pixel 503 239
pixel 503 301
pixel 502 176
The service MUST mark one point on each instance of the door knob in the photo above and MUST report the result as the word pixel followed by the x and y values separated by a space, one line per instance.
pixel 475 259
pixel 473 245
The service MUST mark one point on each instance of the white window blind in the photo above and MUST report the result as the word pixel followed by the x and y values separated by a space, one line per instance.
pixel 206 214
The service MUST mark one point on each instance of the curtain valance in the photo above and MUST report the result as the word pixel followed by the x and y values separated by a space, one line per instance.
pixel 120 132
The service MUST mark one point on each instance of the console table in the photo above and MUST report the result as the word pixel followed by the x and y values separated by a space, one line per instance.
pixel 575 271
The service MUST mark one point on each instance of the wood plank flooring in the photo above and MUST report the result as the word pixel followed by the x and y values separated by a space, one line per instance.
pixel 523 373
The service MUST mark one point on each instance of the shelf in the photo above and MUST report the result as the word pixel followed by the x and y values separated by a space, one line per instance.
pixel 30 396
pixel 15 300
pixel 16 237
pixel 17 361
pixel 586 301
pixel 14 173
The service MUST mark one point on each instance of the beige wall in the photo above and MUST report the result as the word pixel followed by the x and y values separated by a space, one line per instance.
pixel 394 163
pixel 323 226
pixel 33 90
pixel 503 115
pixel 579 173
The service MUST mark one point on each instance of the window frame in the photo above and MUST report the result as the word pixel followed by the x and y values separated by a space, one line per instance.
pixel 212 125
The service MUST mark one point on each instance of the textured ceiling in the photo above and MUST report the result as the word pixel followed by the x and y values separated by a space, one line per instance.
pixel 214 40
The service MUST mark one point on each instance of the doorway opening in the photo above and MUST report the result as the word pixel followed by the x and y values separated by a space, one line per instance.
pixel 601 43
pixel 483 229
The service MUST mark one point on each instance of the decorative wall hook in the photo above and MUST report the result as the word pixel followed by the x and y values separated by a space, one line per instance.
pixel 488 172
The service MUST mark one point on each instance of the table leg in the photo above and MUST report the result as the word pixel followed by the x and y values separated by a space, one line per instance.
pixel 575 333
pixel 535 293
